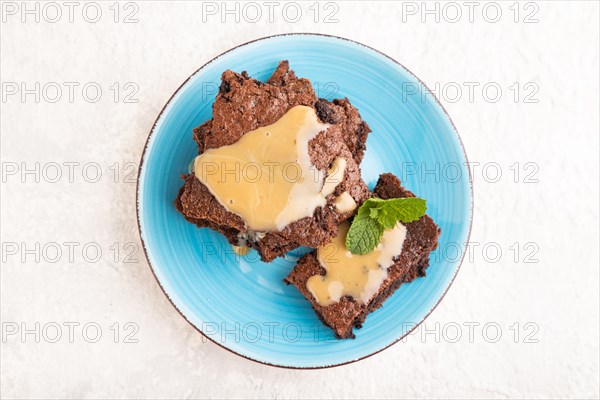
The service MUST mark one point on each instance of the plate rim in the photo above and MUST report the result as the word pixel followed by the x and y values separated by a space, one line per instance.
pixel 137 203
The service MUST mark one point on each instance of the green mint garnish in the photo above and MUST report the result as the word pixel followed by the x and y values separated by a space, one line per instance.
pixel 364 234
pixel 375 215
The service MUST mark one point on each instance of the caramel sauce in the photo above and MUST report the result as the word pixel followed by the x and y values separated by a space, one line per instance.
pixel 358 276
pixel 266 177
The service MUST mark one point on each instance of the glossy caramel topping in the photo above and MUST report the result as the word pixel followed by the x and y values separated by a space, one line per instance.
pixel 267 177
pixel 359 276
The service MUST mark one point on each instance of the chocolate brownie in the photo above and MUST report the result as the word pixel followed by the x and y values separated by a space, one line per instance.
pixel 421 239
pixel 244 104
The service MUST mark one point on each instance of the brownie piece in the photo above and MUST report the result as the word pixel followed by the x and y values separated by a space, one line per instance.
pixel 421 239
pixel 244 104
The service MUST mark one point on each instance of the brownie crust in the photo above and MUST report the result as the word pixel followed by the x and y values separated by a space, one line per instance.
pixel 245 104
pixel 421 240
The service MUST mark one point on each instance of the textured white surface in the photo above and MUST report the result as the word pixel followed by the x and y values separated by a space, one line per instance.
pixel 559 133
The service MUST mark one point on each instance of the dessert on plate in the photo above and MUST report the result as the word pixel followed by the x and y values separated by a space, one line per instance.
pixel 300 152
pixel 343 288
pixel 278 168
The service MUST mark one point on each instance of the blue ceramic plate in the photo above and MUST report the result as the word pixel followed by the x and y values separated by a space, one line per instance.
pixel 241 303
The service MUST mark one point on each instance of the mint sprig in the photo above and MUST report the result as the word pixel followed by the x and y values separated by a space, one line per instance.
pixel 375 215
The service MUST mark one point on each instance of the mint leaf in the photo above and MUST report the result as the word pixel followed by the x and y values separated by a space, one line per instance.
pixel 387 219
pixel 375 215
pixel 407 209
pixel 373 212
pixel 370 206
pixel 364 235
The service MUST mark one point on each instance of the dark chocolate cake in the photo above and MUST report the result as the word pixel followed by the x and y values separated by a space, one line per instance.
pixel 421 240
pixel 245 104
